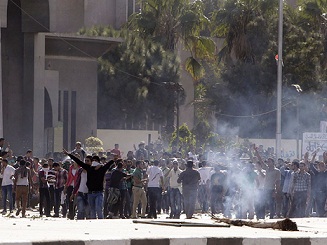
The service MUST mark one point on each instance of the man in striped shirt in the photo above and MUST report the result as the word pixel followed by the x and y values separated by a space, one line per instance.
pixel 300 191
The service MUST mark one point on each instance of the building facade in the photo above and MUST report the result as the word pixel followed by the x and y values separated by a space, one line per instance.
pixel 48 74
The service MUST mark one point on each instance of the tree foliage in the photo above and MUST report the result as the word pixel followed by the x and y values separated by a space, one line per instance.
pixel 244 90
pixel 186 138
pixel 133 91
pixel 170 22
pixel 93 145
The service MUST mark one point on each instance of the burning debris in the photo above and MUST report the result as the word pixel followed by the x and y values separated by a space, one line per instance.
pixel 284 225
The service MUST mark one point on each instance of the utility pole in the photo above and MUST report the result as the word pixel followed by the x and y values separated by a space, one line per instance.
pixel 279 82
pixel 176 87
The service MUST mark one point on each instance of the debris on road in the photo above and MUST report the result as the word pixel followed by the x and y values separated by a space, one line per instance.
pixel 179 223
pixel 284 225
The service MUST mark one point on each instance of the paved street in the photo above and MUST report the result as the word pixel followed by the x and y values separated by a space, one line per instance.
pixel 32 230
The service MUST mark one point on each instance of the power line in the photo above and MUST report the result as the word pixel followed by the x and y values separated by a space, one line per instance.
pixel 122 71
pixel 71 45
pixel 255 115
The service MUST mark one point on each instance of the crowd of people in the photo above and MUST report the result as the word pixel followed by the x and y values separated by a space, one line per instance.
pixel 149 181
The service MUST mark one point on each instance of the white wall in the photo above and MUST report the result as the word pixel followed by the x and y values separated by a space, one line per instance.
pixel 125 138
pixel 289 149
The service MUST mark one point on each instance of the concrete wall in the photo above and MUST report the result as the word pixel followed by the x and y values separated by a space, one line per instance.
pixel 78 75
pixel 66 16
pixel 289 147
pixel 71 16
pixel 12 53
pixel 125 138
pixel 3 13
pixel 101 13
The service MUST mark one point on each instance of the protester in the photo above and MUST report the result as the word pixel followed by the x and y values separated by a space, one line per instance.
pixel 155 177
pixel 61 179
pixel 44 190
pixel 79 150
pixel 139 194
pixel 141 153
pixel 95 176
pixel 204 186
pixel 116 151
pixel 190 180
pixel 300 191
pixel 4 147
pixel 7 173
pixel 69 188
pixel 175 192
pixel 239 187
pixel 80 191
pixel 22 182
pixel 117 191
pixel 218 190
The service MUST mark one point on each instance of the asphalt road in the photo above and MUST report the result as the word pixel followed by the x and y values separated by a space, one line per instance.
pixel 33 229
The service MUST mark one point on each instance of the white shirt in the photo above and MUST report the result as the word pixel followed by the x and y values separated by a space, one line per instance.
pixel 204 174
pixel 173 176
pixel 82 186
pixel 22 180
pixel 73 173
pixel 154 174
pixel 7 173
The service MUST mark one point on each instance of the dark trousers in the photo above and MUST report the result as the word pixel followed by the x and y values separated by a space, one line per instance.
pixel 175 203
pixel 189 196
pixel 321 200
pixel 154 193
pixel 44 201
pixel 127 205
pixel 165 202
pixel 52 196
pixel 286 204
pixel 271 202
pixel 298 204
pixel 122 201
pixel 57 200
pixel 260 204
pixel 203 197
pixel 216 199
pixel 69 204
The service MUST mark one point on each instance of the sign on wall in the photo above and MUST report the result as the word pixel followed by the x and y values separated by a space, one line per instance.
pixel 314 142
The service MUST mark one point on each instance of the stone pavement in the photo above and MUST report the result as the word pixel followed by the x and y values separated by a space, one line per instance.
pixel 35 230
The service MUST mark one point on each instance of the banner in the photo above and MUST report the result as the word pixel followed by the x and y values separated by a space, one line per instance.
pixel 313 142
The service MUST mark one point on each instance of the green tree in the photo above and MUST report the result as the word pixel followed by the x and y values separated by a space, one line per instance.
pixel 246 83
pixel 133 79
pixel 171 22
pixel 93 145
pixel 186 138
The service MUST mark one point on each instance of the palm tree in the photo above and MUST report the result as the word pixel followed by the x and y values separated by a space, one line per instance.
pixel 172 21
pixel 241 23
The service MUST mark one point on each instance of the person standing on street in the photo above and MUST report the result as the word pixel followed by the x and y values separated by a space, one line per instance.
pixel 175 192
pixel 155 177
pixel 300 191
pixel 190 181
pixel 95 177
pixel 61 179
pixel 7 173
pixel 138 190
pixel 22 182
